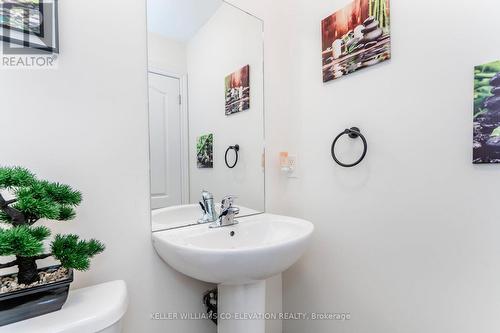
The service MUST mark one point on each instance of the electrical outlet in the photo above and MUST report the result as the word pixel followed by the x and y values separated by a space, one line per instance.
pixel 292 164
pixel 292 161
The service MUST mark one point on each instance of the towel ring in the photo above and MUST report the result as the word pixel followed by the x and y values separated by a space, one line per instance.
pixel 236 149
pixel 353 133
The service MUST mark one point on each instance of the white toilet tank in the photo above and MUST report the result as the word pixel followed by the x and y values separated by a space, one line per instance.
pixel 96 309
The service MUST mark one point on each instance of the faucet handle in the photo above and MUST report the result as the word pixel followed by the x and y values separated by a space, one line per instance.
pixel 230 211
pixel 228 201
pixel 203 208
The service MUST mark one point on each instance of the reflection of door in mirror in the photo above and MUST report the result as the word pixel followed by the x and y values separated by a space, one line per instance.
pixel 165 141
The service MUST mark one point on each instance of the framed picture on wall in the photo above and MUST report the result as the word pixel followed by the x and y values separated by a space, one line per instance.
pixel 486 143
pixel 205 151
pixel 238 91
pixel 29 26
pixel 355 37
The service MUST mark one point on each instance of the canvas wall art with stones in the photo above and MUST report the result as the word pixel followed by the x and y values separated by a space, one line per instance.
pixel 238 91
pixel 355 37
pixel 486 144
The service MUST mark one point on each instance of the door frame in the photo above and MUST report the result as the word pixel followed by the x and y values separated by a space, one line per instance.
pixel 183 90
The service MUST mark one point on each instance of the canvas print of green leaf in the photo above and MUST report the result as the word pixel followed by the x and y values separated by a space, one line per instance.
pixel 356 37
pixel 486 145
pixel 22 15
pixel 205 151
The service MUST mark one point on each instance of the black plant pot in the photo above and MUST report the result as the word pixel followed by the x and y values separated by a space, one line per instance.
pixel 33 302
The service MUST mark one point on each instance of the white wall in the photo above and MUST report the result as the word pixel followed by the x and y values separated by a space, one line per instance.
pixel 230 40
pixel 166 54
pixel 85 124
pixel 408 241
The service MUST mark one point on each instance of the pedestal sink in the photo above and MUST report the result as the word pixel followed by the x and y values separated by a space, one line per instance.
pixel 238 259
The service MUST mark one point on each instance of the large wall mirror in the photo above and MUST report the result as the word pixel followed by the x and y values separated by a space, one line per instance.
pixel 206 109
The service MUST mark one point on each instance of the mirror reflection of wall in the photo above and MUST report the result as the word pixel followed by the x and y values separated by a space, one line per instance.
pixel 206 98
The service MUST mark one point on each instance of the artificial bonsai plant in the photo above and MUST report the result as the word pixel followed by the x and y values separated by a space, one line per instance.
pixel 33 200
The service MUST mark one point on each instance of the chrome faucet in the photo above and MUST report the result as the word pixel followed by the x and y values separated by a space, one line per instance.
pixel 208 206
pixel 227 213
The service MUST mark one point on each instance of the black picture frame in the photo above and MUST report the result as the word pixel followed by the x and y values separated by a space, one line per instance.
pixel 21 41
pixel 39 8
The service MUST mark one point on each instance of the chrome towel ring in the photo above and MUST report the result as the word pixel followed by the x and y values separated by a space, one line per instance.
pixel 236 149
pixel 353 133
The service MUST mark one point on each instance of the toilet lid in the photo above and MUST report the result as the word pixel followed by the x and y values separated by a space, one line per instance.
pixel 87 310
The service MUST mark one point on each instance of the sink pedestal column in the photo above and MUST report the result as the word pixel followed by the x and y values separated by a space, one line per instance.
pixel 242 308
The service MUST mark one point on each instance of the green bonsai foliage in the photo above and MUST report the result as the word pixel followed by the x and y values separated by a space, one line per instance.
pixel 34 200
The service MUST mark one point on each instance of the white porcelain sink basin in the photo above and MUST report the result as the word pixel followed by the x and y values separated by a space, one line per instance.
pixel 257 248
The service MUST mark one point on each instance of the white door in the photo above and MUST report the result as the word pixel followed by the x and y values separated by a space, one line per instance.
pixel 165 141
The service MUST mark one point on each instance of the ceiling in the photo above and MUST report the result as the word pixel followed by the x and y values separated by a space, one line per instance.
pixel 179 19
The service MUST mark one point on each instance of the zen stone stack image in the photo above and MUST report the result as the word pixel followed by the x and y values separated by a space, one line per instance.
pixel 486 144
